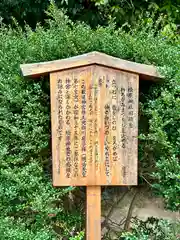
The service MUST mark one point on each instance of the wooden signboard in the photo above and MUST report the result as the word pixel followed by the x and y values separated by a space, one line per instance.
pixel 94 119
pixel 94 113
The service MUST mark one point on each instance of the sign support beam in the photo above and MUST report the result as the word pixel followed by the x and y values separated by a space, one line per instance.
pixel 93 213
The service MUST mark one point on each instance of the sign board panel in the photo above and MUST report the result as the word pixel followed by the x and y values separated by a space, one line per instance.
pixel 94 115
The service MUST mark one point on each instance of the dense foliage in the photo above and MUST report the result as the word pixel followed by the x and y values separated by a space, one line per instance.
pixel 153 229
pixel 30 208
pixel 93 12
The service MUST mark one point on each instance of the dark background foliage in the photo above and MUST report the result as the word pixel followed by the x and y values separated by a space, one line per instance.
pixel 93 12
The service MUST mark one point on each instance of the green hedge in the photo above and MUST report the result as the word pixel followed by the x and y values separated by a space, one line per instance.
pixel 152 228
pixel 30 208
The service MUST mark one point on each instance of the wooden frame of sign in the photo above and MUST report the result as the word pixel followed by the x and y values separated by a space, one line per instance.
pixel 94 121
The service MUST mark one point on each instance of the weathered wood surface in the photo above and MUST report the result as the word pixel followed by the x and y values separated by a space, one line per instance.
pixel 93 213
pixel 94 114
pixel 146 72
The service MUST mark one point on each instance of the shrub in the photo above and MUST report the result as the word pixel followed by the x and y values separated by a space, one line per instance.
pixel 29 204
pixel 155 229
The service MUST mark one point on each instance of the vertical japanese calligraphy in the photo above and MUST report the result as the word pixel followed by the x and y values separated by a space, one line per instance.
pixel 130 106
pixel 60 118
pixel 107 121
pixel 68 131
pixel 123 135
pixel 83 129
pixel 90 127
pixel 114 111
pixel 96 153
pixel 76 127
pixel 106 144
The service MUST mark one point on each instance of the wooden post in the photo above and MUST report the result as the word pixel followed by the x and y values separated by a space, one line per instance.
pixel 93 211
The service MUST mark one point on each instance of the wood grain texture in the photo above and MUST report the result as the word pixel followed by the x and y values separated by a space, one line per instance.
pixel 94 112
pixel 93 213
pixel 146 72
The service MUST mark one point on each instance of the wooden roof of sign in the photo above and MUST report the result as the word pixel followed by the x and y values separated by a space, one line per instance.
pixel 145 72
